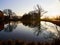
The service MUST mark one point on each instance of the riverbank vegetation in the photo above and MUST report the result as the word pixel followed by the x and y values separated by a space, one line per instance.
pixel 35 15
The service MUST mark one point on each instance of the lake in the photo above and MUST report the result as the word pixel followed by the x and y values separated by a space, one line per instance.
pixel 29 31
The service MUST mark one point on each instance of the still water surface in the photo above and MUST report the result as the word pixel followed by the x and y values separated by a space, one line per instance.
pixel 44 31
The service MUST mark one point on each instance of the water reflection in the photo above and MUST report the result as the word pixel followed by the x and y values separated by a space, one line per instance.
pixel 30 30
pixel 46 29
pixel 1 26
pixel 9 27
pixel 33 24
pixel 37 25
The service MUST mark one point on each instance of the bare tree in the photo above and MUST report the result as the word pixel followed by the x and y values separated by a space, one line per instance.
pixel 40 12
pixel 7 12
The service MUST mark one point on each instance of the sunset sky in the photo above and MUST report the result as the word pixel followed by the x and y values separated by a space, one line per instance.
pixel 24 6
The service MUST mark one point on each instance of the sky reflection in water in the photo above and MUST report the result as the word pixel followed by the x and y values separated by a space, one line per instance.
pixel 48 31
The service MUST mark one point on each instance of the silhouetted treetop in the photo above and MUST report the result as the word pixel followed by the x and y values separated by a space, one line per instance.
pixel 7 12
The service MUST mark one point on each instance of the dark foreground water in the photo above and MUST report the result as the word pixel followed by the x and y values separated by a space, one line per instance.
pixel 29 31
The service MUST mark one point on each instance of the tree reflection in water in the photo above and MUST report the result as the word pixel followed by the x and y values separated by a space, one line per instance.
pixel 58 30
pixel 33 24
pixel 1 26
pixel 40 28
pixel 10 27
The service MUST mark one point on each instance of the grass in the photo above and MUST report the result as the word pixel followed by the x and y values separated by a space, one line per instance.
pixel 57 22
pixel 21 42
